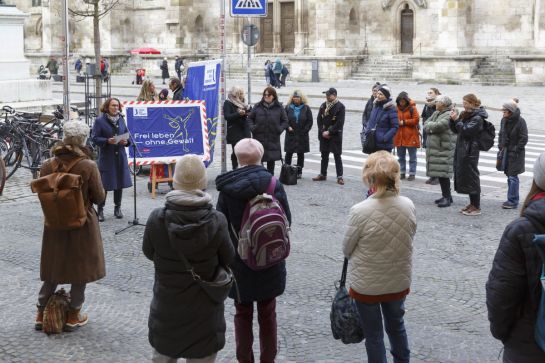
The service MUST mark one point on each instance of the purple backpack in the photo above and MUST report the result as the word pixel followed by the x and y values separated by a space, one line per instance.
pixel 264 231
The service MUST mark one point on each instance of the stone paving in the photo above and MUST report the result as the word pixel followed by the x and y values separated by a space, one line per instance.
pixel 446 312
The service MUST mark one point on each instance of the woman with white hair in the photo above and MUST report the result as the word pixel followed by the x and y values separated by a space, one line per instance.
pixel 300 122
pixel 75 256
pixel 378 244
pixel 441 143
pixel 236 110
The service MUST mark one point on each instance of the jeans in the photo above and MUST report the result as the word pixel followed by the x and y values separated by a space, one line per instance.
pixel 338 164
pixel 371 321
pixel 244 338
pixel 300 159
pixel 77 294
pixel 161 358
pixel 513 189
pixel 402 162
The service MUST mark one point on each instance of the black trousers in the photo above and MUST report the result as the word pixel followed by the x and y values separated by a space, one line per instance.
pixel 234 160
pixel 118 195
pixel 270 167
pixel 445 187
pixel 325 162
pixel 475 199
pixel 300 159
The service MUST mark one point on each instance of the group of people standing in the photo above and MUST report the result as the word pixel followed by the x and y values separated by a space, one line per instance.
pixel 276 73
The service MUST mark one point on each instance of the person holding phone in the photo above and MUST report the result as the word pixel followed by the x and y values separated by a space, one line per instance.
pixel 112 158
pixel 236 110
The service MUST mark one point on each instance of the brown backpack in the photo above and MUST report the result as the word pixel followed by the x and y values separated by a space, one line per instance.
pixel 55 312
pixel 61 197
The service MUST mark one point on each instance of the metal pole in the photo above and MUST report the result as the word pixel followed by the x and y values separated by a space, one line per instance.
pixel 222 86
pixel 249 71
pixel 65 52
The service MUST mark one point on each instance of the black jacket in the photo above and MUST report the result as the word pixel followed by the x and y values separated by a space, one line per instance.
pixel 177 94
pixel 334 123
pixel 514 137
pixel 183 322
pixel 367 112
pixel 267 123
pixel 297 141
pixel 513 290
pixel 164 70
pixel 237 125
pixel 236 188
pixel 466 156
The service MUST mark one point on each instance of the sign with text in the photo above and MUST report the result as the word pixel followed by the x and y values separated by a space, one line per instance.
pixel 163 131
pixel 248 8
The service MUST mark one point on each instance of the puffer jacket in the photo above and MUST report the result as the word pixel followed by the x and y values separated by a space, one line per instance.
pixel 514 137
pixel 466 157
pixel 267 122
pixel 408 133
pixel 441 142
pixel 513 290
pixel 384 119
pixel 379 244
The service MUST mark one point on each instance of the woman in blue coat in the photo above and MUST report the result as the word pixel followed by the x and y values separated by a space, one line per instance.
pixel 384 120
pixel 112 159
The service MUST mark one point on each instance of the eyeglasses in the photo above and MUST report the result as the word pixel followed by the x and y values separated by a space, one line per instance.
pixel 266 94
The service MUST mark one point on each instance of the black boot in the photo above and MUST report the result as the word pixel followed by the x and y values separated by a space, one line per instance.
pixel 446 202
pixel 299 172
pixel 117 212
pixel 100 213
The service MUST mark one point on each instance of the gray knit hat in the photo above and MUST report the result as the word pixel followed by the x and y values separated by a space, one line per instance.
pixel 510 106
pixel 539 171
pixel 190 173
pixel 75 133
pixel 444 99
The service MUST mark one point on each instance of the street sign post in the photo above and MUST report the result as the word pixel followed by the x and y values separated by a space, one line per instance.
pixel 248 8
pixel 250 36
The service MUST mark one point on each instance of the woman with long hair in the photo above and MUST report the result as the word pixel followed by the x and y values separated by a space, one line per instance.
pixel 236 110
pixel 147 91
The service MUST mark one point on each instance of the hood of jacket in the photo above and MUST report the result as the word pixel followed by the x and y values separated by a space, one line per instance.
pixel 389 104
pixel 244 183
pixel 535 212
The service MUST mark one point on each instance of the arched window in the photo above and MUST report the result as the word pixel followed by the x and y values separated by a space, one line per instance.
pixel 199 28
pixel 353 21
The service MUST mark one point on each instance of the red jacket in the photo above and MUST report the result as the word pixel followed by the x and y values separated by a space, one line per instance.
pixel 408 134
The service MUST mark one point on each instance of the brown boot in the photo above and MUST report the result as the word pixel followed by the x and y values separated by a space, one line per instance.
pixel 39 323
pixel 74 319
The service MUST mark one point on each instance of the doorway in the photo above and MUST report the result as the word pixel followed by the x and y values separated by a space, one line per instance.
pixel 267 29
pixel 407 30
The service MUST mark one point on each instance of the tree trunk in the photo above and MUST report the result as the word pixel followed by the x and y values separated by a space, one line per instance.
pixel 98 74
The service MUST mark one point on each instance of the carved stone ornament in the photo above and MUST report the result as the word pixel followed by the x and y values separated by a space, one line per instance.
pixel 386 4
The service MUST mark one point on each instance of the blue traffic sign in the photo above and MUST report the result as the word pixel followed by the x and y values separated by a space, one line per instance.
pixel 248 8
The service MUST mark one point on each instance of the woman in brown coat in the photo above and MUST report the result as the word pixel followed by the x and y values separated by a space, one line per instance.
pixel 73 257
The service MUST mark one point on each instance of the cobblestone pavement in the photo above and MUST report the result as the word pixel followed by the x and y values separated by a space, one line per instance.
pixel 446 313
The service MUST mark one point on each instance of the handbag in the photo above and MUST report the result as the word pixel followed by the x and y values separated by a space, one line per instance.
pixel 345 319
pixel 369 142
pixel 288 174
pixel 501 160
pixel 222 281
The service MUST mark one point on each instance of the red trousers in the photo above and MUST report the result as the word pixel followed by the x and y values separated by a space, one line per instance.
pixel 244 337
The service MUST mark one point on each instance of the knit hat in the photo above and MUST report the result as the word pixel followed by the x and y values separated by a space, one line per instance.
pixel 444 99
pixel 249 152
pixel 375 86
pixel 472 99
pixel 75 133
pixel 385 90
pixel 539 171
pixel 510 106
pixel 190 173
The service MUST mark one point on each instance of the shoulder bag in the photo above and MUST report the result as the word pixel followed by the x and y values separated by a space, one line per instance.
pixel 369 141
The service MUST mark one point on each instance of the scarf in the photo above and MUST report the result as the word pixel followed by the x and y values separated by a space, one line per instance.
pixel 237 101
pixel 189 198
pixel 296 111
pixel 113 119
pixel 329 105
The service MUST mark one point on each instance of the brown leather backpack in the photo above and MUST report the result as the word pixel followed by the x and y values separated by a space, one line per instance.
pixel 61 197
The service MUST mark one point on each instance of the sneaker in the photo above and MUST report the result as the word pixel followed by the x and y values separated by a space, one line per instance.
pixel 410 178
pixel 39 323
pixel 465 208
pixel 472 211
pixel 402 176
pixel 340 181
pixel 74 319
pixel 319 177
pixel 509 205
pixel 434 181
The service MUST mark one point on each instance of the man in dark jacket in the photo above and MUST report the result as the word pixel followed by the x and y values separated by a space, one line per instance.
pixel 236 188
pixel 184 322
pixel 513 290
pixel 175 86
pixel 330 123
pixel 178 66
pixel 512 141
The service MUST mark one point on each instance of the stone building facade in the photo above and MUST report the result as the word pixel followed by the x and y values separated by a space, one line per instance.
pixel 440 39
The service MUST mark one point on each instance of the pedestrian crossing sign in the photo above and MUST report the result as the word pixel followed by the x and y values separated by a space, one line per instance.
pixel 248 8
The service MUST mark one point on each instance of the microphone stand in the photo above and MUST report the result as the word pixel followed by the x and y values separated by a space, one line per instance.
pixel 135 221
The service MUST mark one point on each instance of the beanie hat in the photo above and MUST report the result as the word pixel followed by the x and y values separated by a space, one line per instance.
pixel 472 99
pixel 249 152
pixel 375 86
pixel 385 90
pixel 75 133
pixel 190 173
pixel 444 99
pixel 510 106
pixel 539 171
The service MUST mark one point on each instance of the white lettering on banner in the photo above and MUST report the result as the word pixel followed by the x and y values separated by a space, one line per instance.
pixel 248 4
pixel 210 74
pixel 140 112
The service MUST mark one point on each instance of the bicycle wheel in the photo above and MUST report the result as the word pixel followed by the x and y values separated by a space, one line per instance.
pixel 12 161
pixel 2 175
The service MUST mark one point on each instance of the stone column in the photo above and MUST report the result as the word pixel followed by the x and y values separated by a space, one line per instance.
pixel 277 31
pixel 51 25
pixel 325 28
pixel 300 34
pixel 455 29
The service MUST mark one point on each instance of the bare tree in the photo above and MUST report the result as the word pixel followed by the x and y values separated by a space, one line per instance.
pixel 95 9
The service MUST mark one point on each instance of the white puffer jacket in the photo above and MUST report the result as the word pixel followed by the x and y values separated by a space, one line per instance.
pixel 379 244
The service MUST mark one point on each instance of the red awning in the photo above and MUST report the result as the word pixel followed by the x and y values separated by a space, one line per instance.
pixel 145 51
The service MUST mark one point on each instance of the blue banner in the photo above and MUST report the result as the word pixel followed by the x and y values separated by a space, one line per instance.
pixel 163 132
pixel 203 83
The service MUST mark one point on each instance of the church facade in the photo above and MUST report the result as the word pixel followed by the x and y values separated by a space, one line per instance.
pixel 439 39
